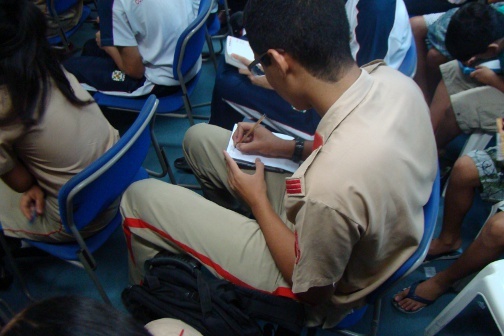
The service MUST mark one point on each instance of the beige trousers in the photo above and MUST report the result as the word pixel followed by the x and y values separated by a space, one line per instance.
pixel 160 216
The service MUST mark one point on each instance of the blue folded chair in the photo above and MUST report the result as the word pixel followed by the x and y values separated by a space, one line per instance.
pixel 92 191
pixel 187 53
pixel 57 7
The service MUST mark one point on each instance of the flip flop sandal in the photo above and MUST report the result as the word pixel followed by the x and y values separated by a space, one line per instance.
pixel 411 295
pixel 450 255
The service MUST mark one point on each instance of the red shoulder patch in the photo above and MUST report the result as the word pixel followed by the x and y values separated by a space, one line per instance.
pixel 294 186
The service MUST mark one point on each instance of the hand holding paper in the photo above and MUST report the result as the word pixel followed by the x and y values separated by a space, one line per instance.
pixel 250 188
pixel 264 145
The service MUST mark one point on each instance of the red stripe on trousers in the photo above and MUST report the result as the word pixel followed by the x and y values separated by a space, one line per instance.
pixel 140 224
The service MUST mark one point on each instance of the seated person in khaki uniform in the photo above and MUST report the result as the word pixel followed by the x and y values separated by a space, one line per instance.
pixel 464 103
pixel 50 129
pixel 338 227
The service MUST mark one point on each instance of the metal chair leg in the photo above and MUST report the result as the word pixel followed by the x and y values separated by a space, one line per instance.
pixel 15 269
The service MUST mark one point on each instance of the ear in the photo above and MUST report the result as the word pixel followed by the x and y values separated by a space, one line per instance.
pixel 279 60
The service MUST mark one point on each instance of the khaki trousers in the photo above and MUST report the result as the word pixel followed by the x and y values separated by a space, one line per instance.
pixel 160 216
pixel 46 227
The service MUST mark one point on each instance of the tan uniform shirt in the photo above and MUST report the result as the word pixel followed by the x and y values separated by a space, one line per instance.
pixel 62 143
pixel 357 201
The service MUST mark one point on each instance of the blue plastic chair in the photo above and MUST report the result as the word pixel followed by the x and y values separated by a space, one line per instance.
pixel 375 298
pixel 56 7
pixel 93 190
pixel 187 53
pixel 409 63
pixel 214 26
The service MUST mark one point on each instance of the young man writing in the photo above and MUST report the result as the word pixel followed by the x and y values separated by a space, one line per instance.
pixel 339 226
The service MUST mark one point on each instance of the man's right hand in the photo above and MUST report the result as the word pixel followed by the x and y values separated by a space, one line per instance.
pixel 261 142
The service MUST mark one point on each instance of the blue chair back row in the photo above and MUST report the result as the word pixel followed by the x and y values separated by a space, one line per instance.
pixel 95 189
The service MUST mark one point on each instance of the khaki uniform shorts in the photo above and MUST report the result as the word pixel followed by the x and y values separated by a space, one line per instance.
pixel 476 106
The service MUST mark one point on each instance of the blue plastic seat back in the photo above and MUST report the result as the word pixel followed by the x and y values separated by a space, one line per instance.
pixel 61 6
pixel 191 41
pixel 430 218
pixel 91 191
pixel 409 63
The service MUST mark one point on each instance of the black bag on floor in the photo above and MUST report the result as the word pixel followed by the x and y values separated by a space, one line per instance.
pixel 176 286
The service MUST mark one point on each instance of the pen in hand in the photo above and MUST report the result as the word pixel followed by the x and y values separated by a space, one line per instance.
pixel 250 131
pixel 33 215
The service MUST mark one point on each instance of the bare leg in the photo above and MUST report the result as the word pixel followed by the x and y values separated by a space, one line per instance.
pixel 459 197
pixel 487 248
pixel 443 118
pixel 420 33
pixel 433 76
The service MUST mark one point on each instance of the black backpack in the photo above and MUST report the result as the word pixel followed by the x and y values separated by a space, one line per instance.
pixel 176 286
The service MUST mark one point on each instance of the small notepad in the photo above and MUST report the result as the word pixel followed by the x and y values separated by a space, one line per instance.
pixel 271 164
pixel 239 47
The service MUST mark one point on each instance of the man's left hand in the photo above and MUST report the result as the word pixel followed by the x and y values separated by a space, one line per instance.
pixel 250 188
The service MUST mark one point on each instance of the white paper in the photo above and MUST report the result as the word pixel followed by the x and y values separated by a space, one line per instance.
pixel 283 164
pixel 239 47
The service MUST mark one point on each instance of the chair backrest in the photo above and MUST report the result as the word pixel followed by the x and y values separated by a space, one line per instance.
pixel 430 219
pixel 91 191
pixel 409 63
pixel 191 41
pixel 56 7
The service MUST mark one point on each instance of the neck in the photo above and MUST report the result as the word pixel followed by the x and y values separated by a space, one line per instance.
pixel 324 94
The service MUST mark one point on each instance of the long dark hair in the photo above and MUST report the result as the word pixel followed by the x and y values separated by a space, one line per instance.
pixel 73 316
pixel 27 62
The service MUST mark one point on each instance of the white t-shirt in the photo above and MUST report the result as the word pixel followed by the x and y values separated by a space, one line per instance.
pixel 379 13
pixel 154 26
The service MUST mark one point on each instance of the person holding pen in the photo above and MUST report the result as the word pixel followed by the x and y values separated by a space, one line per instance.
pixel 50 128
pixel 334 230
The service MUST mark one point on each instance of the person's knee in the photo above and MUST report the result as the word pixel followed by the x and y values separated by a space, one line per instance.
pixel 419 27
pixel 464 172
pixel 193 136
pixel 435 58
pixel 493 231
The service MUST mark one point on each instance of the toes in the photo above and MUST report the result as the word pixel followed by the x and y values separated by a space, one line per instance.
pixel 401 295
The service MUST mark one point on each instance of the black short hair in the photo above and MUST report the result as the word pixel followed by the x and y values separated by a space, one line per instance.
pixel 72 316
pixel 472 29
pixel 315 33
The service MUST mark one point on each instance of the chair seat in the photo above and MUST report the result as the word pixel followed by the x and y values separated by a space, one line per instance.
pixel 489 283
pixel 167 104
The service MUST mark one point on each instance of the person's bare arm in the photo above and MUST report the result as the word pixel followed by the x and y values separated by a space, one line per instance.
pixel 127 59
pixel 19 178
pixel 488 77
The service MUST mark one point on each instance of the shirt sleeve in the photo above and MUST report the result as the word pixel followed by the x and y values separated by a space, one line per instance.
pixel 105 14
pixel 324 242
pixel 123 35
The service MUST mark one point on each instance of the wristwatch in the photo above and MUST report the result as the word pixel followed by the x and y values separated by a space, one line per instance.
pixel 298 151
